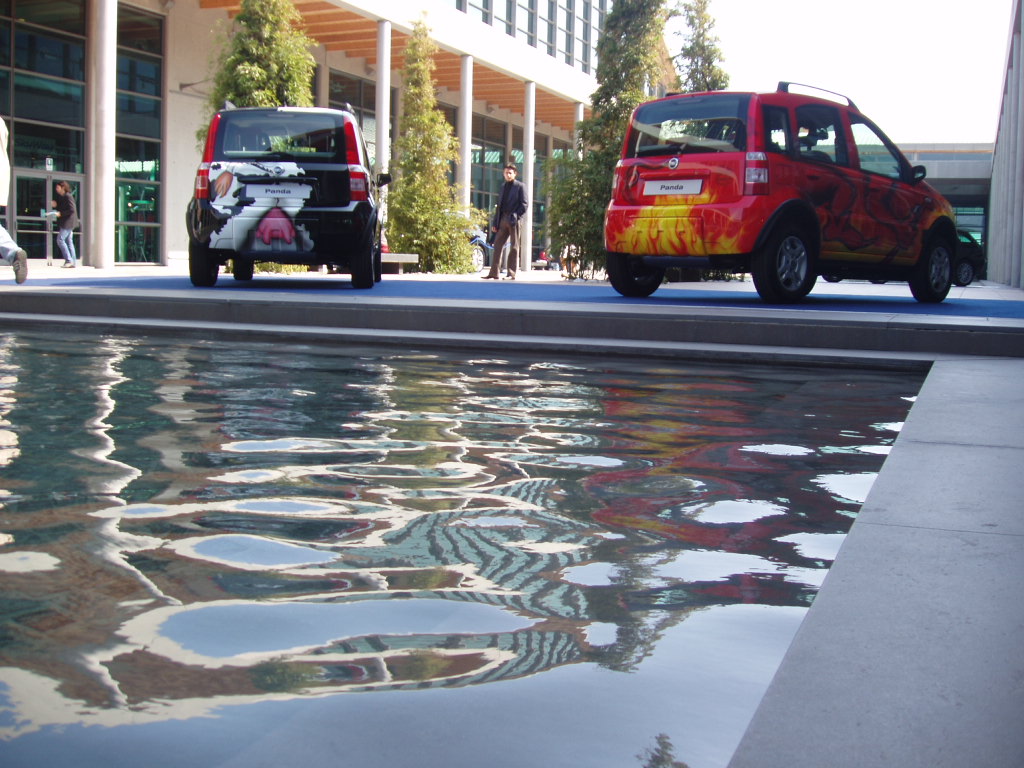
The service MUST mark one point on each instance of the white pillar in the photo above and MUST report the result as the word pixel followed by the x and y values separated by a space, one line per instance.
pixel 101 129
pixel 529 137
pixel 382 104
pixel 465 131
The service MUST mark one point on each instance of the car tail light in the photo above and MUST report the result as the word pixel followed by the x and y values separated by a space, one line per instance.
pixel 624 185
pixel 202 183
pixel 359 183
pixel 755 174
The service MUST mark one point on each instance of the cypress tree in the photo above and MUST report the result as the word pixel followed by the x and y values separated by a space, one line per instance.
pixel 698 61
pixel 423 206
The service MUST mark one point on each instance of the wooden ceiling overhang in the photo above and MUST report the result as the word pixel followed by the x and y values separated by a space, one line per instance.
pixel 355 36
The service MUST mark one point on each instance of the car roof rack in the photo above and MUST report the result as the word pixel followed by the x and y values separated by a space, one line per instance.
pixel 784 87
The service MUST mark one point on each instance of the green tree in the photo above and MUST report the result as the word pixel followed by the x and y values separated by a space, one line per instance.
pixel 424 212
pixel 264 62
pixel 628 62
pixel 698 61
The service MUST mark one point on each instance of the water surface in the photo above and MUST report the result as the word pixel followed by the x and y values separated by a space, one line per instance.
pixel 221 554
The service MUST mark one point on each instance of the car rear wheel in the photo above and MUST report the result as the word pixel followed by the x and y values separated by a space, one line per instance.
pixel 631 277
pixel 362 266
pixel 933 275
pixel 782 269
pixel 963 273
pixel 202 268
pixel 242 269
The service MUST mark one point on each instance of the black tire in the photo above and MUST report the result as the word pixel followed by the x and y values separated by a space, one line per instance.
pixel 783 270
pixel 363 266
pixel 631 277
pixel 964 272
pixel 202 267
pixel 242 269
pixel 478 258
pixel 933 275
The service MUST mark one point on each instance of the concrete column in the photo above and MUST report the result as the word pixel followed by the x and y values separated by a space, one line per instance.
pixel 101 128
pixel 529 166
pixel 465 131
pixel 1014 253
pixel 382 105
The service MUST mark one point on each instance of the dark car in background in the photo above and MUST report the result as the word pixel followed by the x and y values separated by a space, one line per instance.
pixel 970 259
pixel 286 185
pixel 784 185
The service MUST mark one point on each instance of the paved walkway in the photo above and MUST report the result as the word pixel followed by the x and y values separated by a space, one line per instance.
pixel 912 654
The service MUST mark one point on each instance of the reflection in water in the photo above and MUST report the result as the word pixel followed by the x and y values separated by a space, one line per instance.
pixel 193 532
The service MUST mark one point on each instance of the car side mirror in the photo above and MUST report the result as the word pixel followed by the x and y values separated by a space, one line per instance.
pixel 383 179
pixel 917 173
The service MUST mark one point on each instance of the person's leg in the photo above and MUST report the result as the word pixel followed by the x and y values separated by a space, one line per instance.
pixel 499 244
pixel 513 250
pixel 66 246
pixel 11 254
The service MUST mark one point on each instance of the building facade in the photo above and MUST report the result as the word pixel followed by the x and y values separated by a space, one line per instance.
pixel 109 95
pixel 1006 219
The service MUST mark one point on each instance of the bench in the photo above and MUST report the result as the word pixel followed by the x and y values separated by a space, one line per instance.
pixel 398 259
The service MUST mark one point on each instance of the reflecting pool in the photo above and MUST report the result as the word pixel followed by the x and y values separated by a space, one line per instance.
pixel 247 554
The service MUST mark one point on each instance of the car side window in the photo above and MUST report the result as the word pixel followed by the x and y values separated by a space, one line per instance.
pixel 819 137
pixel 875 154
pixel 776 128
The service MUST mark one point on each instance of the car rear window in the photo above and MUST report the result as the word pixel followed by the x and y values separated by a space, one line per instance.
pixel 693 124
pixel 280 135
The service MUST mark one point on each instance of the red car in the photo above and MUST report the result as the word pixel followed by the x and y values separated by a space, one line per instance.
pixel 783 185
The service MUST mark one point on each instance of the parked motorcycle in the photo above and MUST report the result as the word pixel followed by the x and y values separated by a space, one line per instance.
pixel 482 250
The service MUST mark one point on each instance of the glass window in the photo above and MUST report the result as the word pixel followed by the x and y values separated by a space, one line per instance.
pixel 139 30
pixel 68 15
pixel 47 54
pixel 137 243
pixel 342 89
pixel 137 159
pixel 138 115
pixel 137 202
pixel 5 44
pixel 5 92
pixel 776 124
pixel 138 74
pixel 52 101
pixel 33 144
pixel 874 152
pixel 526 21
pixel 5 7
pixel 818 135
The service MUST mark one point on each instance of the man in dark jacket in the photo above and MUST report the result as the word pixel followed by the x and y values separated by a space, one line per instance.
pixel 511 209
pixel 67 220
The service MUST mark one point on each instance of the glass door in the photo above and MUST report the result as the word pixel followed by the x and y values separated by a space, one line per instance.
pixel 33 229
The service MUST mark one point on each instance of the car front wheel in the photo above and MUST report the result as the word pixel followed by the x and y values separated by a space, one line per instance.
pixel 202 267
pixel 782 269
pixel 963 273
pixel 933 275
pixel 631 277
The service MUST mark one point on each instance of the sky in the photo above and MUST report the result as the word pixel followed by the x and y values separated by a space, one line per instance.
pixel 925 72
